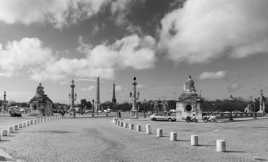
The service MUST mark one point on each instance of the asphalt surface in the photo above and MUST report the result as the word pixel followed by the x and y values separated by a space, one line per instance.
pixel 83 140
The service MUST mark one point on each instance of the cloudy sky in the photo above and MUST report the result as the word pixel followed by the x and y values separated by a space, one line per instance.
pixel 223 44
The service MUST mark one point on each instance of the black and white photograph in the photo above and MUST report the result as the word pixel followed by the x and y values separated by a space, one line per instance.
pixel 134 80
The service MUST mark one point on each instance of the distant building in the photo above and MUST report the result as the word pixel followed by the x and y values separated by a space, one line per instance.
pixel 188 103
pixel 40 102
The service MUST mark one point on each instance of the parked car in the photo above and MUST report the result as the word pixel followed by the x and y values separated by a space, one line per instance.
pixel 15 111
pixel 209 118
pixel 163 117
pixel 107 110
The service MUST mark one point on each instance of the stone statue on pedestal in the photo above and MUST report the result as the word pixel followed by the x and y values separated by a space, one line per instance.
pixel 189 85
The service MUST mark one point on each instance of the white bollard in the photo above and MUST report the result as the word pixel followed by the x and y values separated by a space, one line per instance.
pixel 159 132
pixel 16 127
pixel 114 120
pixel 28 123
pixel 5 132
pixel 148 129
pixel 194 140
pixel 131 126
pixel 220 145
pixel 11 129
pixel 138 128
pixel 173 136
pixel 117 123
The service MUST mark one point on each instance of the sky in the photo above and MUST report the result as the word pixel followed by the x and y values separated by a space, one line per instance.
pixel 222 44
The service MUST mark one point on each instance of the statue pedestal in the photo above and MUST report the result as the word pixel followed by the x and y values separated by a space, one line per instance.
pixel 134 114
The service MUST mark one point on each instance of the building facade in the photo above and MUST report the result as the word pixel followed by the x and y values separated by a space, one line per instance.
pixel 41 103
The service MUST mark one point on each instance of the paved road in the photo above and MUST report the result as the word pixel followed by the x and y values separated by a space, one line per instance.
pixel 83 140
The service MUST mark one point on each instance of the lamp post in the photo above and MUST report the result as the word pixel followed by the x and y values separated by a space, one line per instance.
pixel 73 97
pixel 5 101
pixel 93 108
pixel 231 110
pixel 254 109
pixel 134 95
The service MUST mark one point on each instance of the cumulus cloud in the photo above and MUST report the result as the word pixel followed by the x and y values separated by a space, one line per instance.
pixel 120 10
pixel 31 57
pixel 102 60
pixel 208 29
pixel 213 75
pixel 233 87
pixel 57 12
pixel 28 54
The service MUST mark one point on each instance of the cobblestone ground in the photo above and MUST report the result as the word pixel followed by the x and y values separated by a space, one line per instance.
pixel 83 140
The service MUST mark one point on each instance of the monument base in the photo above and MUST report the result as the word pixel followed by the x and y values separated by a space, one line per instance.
pixel 134 114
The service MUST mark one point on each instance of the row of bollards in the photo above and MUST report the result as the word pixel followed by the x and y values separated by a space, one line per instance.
pixel 220 144
pixel 23 124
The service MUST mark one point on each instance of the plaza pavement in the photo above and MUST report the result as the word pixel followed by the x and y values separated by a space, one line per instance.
pixel 100 140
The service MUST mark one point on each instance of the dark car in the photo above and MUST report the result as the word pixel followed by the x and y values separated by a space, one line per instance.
pixel 15 111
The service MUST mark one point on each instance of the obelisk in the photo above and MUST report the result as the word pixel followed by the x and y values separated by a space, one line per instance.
pixel 98 95
pixel 5 101
pixel 72 94
pixel 114 98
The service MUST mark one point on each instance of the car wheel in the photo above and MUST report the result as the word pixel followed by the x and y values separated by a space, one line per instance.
pixel 170 119
pixel 153 119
